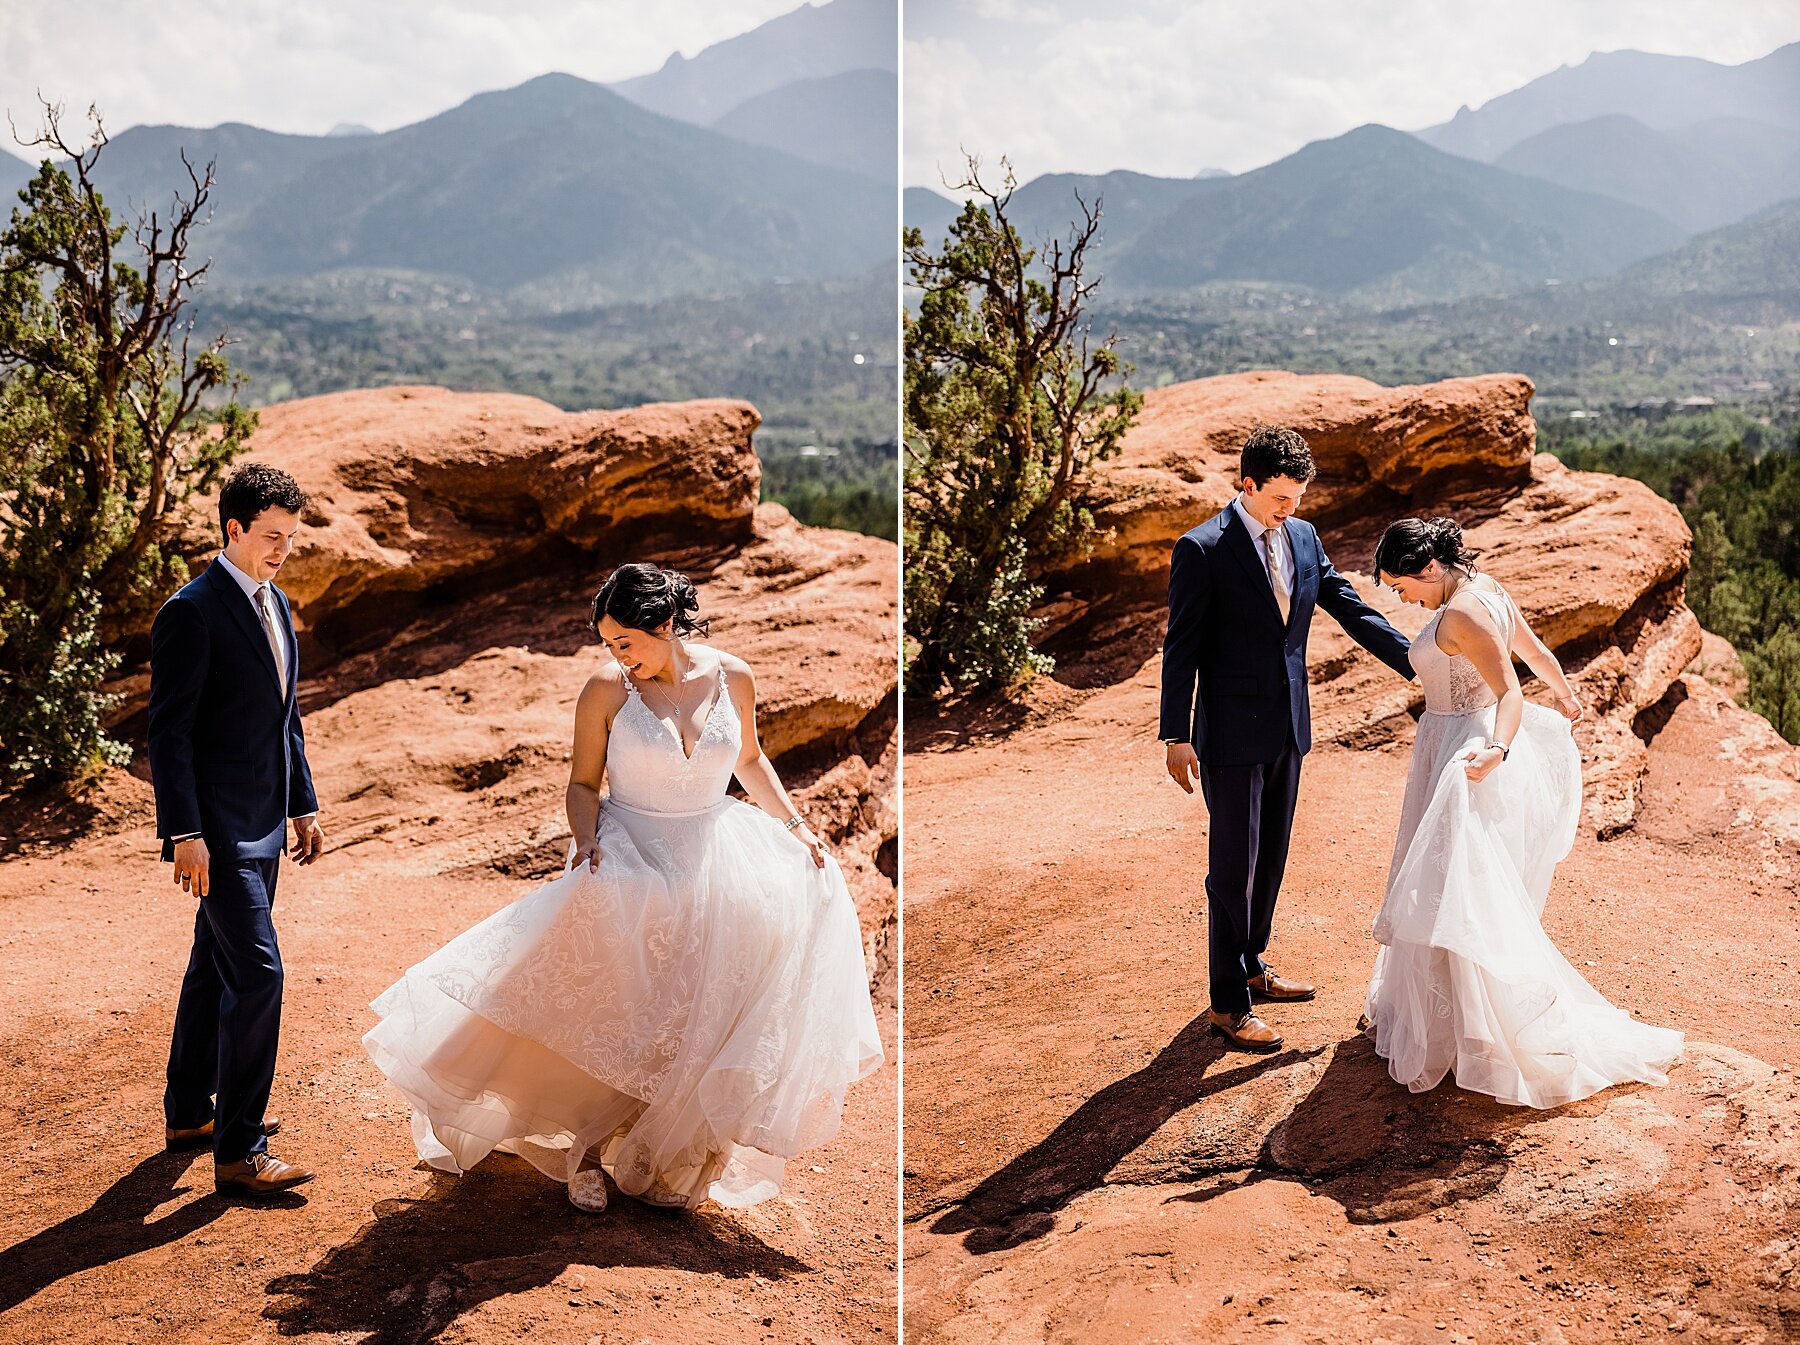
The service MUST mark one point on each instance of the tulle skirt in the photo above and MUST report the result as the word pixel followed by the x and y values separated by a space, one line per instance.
pixel 1466 979
pixel 689 1016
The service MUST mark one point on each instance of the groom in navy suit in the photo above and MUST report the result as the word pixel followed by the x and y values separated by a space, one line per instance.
pixel 1235 708
pixel 229 766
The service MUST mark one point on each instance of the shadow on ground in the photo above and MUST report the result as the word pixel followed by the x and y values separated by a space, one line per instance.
pixel 1353 1134
pixel 1382 1152
pixel 500 1229
pixel 119 1224
pixel 1019 1202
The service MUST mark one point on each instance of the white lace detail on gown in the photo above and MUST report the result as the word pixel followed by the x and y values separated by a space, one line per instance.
pixel 689 1015
pixel 643 774
pixel 1453 685
pixel 1466 980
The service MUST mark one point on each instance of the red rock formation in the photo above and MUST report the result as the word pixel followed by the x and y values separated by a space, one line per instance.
pixel 1596 563
pixel 1375 448
pixel 441 582
pixel 413 488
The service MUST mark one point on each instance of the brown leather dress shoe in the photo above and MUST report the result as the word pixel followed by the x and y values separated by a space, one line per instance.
pixel 258 1175
pixel 198 1137
pixel 1269 986
pixel 1247 1032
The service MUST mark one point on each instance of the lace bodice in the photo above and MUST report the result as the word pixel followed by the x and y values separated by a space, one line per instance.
pixel 646 767
pixel 1453 685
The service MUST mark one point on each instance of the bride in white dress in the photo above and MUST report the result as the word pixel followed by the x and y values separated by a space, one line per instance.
pixel 685 1007
pixel 1466 979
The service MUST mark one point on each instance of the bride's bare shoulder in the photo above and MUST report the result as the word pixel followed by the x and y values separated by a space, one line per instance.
pixel 605 690
pixel 735 671
pixel 1493 588
pixel 1466 609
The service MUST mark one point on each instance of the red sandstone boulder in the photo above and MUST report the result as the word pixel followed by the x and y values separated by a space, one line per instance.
pixel 1376 448
pixel 1596 563
pixel 415 488
pixel 441 584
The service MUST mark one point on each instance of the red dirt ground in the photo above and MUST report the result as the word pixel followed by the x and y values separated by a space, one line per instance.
pixel 1083 1163
pixel 105 1238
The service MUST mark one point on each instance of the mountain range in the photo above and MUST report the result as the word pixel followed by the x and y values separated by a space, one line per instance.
pixel 1662 92
pixel 811 42
pixel 820 83
pixel 1375 215
pixel 565 192
pixel 1755 258
pixel 1379 214
pixel 1043 208
pixel 1701 143
pixel 15 172
pixel 849 121
pixel 1700 175
pixel 1577 175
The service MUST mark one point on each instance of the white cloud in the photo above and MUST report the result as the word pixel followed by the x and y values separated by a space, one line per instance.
pixel 305 65
pixel 1171 88
pixel 1016 11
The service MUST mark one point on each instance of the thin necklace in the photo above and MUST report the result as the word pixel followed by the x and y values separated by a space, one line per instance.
pixel 674 707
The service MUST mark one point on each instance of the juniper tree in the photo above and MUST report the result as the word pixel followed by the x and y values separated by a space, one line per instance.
pixel 105 429
pixel 1009 403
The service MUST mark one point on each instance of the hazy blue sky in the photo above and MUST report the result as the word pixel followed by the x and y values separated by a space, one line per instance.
pixel 305 65
pixel 1174 86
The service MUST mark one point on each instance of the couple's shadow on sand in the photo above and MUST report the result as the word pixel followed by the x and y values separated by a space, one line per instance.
pixel 115 1226
pixel 500 1229
pixel 421 1263
pixel 1353 1134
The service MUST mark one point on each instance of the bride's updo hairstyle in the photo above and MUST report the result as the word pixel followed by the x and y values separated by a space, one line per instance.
pixel 1410 544
pixel 643 597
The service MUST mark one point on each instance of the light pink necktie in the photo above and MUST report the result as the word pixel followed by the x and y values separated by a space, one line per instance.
pixel 1272 550
pixel 268 625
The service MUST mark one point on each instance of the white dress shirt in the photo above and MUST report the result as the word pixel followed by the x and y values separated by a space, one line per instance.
pixel 250 586
pixel 1262 548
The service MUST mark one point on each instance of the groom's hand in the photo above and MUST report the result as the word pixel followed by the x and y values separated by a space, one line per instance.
pixel 309 840
pixel 1184 765
pixel 192 865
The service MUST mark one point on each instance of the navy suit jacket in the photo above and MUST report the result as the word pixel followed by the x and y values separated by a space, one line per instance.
pixel 1234 677
pixel 227 756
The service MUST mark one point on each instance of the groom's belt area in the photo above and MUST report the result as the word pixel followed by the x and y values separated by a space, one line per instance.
pixel 1244 684
pixel 238 772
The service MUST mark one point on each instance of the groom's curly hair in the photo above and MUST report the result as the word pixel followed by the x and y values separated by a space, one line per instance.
pixel 1274 450
pixel 253 487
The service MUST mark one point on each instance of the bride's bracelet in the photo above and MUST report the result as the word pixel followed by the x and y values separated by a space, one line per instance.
pixel 792 822
pixel 1504 749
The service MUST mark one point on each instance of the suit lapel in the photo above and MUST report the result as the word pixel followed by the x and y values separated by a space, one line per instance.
pixel 245 615
pixel 293 642
pixel 1239 543
pixel 1306 570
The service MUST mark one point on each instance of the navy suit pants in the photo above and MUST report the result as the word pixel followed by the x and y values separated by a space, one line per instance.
pixel 1252 819
pixel 228 1020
